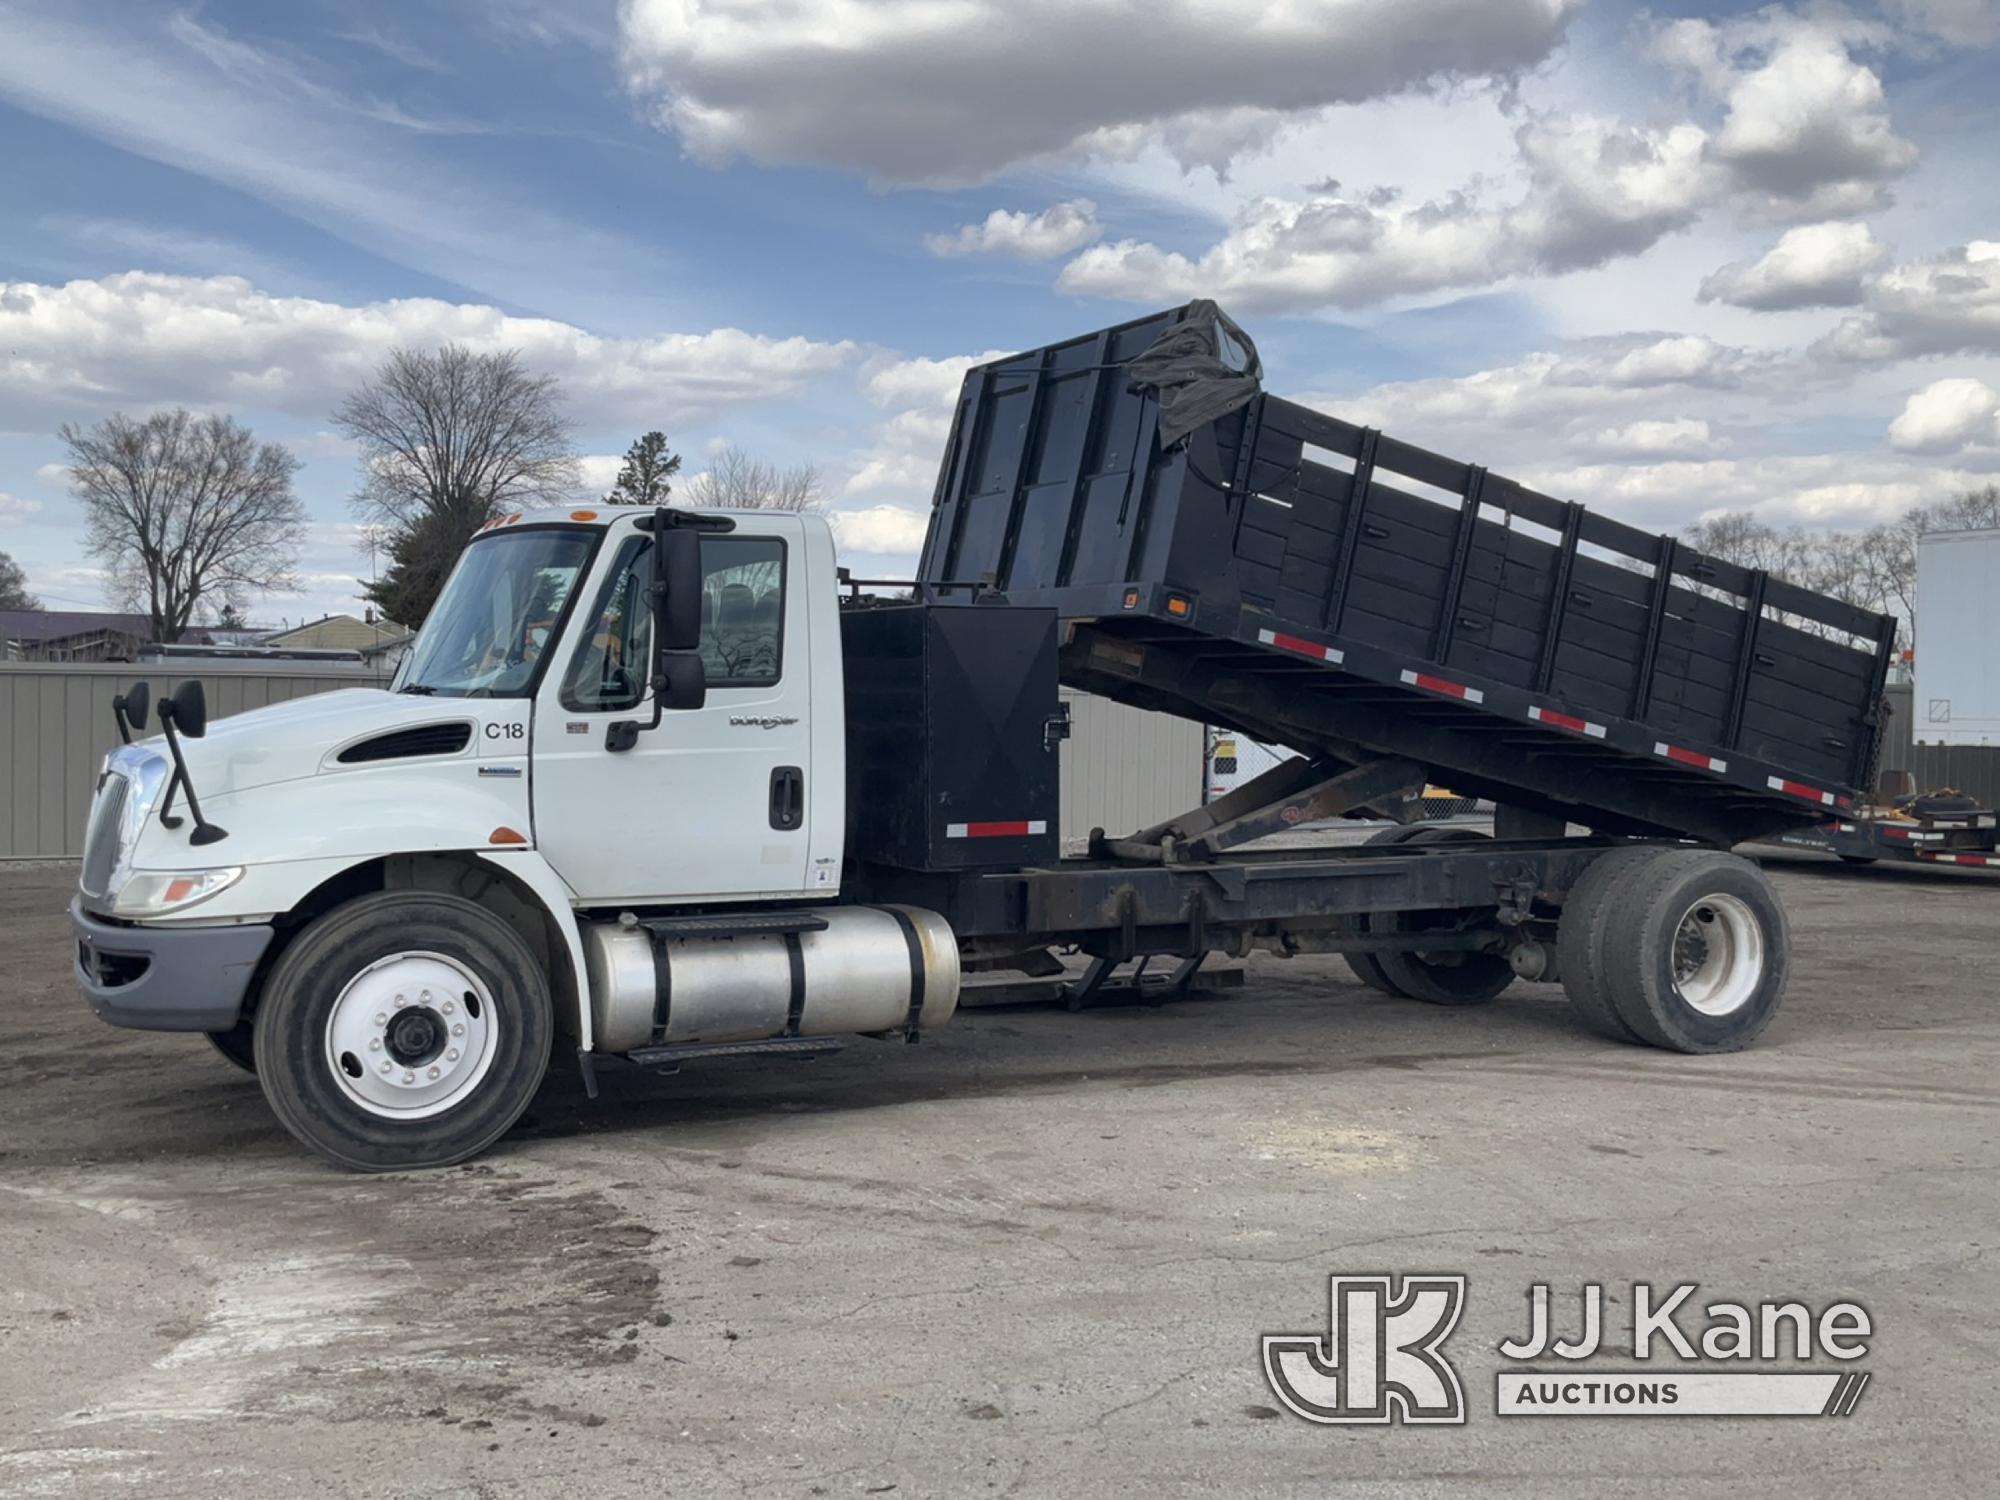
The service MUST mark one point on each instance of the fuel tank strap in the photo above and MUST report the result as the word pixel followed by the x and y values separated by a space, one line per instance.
pixel 916 947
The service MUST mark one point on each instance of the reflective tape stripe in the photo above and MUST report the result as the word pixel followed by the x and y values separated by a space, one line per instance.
pixel 1301 647
pixel 1432 684
pixel 1800 789
pixel 1691 758
pixel 1936 856
pixel 1566 721
pixel 1016 830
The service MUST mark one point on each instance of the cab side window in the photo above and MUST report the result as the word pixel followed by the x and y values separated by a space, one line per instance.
pixel 742 610
pixel 742 624
pixel 611 665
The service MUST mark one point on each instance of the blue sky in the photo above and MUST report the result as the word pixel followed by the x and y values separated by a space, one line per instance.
pixel 1666 260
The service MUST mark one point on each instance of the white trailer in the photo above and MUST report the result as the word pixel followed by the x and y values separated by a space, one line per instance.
pixel 1957 697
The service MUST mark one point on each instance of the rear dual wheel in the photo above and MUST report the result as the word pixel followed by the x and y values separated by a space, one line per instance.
pixel 1686 949
pixel 1437 978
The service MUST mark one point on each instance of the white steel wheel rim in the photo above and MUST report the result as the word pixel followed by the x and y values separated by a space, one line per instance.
pixel 411 1035
pixel 1718 955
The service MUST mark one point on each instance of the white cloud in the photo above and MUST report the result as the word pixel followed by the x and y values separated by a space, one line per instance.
pixel 1819 490
pixel 1962 23
pixel 1813 265
pixel 1655 439
pixel 1597 190
pixel 14 508
pixel 55 476
pixel 1947 416
pixel 1943 306
pixel 880 531
pixel 1805 128
pixel 140 339
pixel 1054 231
pixel 955 91
pixel 599 471
pixel 1583 383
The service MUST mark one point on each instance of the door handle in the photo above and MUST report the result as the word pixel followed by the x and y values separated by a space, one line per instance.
pixel 788 798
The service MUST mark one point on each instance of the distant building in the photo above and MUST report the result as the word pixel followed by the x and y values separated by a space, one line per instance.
pixel 386 656
pixel 336 632
pixel 73 635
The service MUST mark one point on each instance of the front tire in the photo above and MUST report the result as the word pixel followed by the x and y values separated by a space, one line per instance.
pixel 403 1029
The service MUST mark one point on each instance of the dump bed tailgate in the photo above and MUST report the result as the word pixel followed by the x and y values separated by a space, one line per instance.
pixel 1282 572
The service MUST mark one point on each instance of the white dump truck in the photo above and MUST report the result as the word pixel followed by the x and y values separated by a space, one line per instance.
pixel 656 785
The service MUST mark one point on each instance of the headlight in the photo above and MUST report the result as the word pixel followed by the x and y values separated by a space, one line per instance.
pixel 155 894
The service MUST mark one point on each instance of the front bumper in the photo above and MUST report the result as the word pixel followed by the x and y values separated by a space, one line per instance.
pixel 165 978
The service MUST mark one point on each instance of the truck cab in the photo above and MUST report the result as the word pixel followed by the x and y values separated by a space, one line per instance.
pixel 413 890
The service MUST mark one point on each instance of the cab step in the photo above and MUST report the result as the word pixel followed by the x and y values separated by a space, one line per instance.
pixel 670 1058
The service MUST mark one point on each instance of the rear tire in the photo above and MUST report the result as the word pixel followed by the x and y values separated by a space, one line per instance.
pixel 1696 951
pixel 403 1029
pixel 1580 941
pixel 237 1044
pixel 1455 978
pixel 1367 967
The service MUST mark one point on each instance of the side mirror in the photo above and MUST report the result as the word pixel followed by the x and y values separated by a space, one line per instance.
pixel 680 681
pixel 676 589
pixel 187 709
pixel 129 709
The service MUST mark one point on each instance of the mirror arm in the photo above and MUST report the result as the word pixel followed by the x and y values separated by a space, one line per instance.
pixel 118 718
pixel 205 832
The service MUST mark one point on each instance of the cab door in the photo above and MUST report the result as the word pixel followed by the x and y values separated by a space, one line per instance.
pixel 711 804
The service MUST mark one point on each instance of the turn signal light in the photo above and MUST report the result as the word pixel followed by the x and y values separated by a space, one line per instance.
pixel 506 836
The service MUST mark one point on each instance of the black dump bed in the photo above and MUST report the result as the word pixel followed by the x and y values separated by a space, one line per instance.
pixel 1225 555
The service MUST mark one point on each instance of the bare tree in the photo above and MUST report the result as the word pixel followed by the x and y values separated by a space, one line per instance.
pixel 183 509
pixel 736 481
pixel 14 586
pixel 449 438
pixel 1876 568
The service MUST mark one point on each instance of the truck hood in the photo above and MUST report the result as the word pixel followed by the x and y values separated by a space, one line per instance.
pixel 308 736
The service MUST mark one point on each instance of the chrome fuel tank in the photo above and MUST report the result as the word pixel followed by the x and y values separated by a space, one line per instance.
pixel 859 973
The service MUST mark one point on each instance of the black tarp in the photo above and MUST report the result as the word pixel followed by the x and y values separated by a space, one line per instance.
pixel 1204 367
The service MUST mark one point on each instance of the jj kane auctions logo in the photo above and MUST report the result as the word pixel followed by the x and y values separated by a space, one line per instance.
pixel 1383 1361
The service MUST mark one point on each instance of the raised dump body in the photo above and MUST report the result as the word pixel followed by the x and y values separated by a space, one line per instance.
pixel 1226 555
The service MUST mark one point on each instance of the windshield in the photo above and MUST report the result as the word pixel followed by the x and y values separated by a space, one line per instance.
pixel 498 614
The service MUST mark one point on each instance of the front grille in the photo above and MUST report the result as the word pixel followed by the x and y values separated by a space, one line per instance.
pixel 100 841
pixel 402 744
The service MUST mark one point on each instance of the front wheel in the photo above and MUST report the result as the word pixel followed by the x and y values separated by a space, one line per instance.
pixel 403 1029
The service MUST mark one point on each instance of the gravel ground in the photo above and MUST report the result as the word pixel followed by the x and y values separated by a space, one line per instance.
pixel 1032 1255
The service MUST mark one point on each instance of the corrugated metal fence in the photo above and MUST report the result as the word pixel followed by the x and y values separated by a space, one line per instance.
pixel 1121 770
pixel 1124 769
pixel 1971 769
pixel 55 725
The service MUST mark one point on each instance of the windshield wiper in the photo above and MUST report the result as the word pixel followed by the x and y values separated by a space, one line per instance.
pixel 418 688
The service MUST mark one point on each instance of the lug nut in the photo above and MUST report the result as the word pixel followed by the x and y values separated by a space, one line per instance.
pixel 381 1018
pixel 458 1030
pixel 447 1007
pixel 451 1056
pixel 425 996
pixel 385 1065
pixel 409 1078
pixel 375 1045
pixel 434 1072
